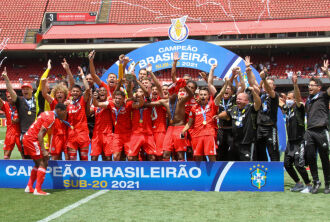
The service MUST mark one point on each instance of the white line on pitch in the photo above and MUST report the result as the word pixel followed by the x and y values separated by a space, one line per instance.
pixel 72 206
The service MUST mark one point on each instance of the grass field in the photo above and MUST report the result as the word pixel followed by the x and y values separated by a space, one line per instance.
pixel 15 205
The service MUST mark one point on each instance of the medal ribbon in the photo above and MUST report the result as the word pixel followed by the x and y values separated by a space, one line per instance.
pixel 117 112
pixel 203 111
pixel 63 121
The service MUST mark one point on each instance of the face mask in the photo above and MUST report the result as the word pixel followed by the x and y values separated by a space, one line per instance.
pixel 289 103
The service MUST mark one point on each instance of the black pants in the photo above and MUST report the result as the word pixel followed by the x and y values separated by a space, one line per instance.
pixel 267 138
pixel 317 140
pixel 21 141
pixel 225 140
pixel 242 152
pixel 294 154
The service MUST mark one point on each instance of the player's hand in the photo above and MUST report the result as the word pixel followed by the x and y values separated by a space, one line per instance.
pixel 247 61
pixel 45 153
pixel 263 73
pixel 126 60
pixel 91 55
pixel 213 66
pixel 294 78
pixel 176 56
pixel 67 102
pixel 149 67
pixel 81 72
pixel 65 64
pixel 121 58
pixel 49 65
pixel 325 66
pixel 4 72
pixel 203 75
pixel 216 117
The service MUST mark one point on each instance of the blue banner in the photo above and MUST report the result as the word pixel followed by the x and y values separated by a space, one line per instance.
pixel 171 176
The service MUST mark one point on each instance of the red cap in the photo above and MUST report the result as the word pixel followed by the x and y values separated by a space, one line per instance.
pixel 26 85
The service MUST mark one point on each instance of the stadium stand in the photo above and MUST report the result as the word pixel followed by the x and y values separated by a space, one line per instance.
pixel 72 6
pixel 17 16
pixel 155 11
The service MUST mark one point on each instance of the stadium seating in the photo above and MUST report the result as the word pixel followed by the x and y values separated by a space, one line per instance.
pixel 17 16
pixel 155 11
pixel 73 6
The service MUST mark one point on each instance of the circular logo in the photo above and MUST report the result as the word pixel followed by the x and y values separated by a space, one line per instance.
pixel 178 33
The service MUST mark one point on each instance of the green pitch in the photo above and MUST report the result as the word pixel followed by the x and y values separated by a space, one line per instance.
pixel 15 205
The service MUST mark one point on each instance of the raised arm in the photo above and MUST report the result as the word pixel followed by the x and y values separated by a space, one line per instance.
pixel 87 88
pixel 44 92
pixel 139 103
pixel 9 86
pixel 217 99
pixel 69 73
pixel 268 89
pixel 141 85
pixel 209 81
pixel 155 80
pixel 296 90
pixel 95 77
pixel 176 58
pixel 256 99
pixel 250 76
pixel 241 80
pixel 189 95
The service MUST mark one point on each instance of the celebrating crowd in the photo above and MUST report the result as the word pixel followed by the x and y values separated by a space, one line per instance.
pixel 130 118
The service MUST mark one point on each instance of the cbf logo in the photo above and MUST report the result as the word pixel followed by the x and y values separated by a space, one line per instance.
pixel 258 176
pixel 178 31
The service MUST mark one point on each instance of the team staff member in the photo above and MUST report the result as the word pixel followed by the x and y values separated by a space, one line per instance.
pixel 13 131
pixel 266 120
pixel 244 128
pixel 203 127
pixel 102 134
pixel 316 136
pixel 78 138
pixel 34 146
pixel 295 126
pixel 26 106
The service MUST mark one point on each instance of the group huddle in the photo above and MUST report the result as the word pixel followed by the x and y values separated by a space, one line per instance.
pixel 130 118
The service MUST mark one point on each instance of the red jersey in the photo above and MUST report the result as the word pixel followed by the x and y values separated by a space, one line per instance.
pixel 141 121
pixel 59 127
pixel 158 117
pixel 103 120
pixel 11 113
pixel 45 119
pixel 202 127
pixel 121 117
pixel 77 114
pixel 188 106
pixel 109 90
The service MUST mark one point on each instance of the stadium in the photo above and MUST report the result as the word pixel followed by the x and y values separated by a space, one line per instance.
pixel 288 38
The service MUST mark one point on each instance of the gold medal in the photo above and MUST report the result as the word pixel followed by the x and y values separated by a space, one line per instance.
pixel 115 122
pixel 141 121
pixel 29 113
pixel 171 121
pixel 72 127
pixel 204 122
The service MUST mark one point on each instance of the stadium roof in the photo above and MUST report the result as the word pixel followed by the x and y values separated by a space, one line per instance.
pixel 93 31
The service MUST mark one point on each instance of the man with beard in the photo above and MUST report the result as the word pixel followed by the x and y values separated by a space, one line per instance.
pixel 26 106
pixel 34 146
pixel 13 131
pixel 244 127
pixel 316 136
pixel 78 138
pixel 102 134
pixel 203 126
pixel 111 80
pixel 59 133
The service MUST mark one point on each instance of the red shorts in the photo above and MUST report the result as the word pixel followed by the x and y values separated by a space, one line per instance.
pixel 101 142
pixel 32 148
pixel 119 141
pixel 159 139
pixel 173 141
pixel 146 141
pixel 204 146
pixel 58 144
pixel 78 140
pixel 11 140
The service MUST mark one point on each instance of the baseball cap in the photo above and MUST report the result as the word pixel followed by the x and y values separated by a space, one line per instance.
pixel 26 85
